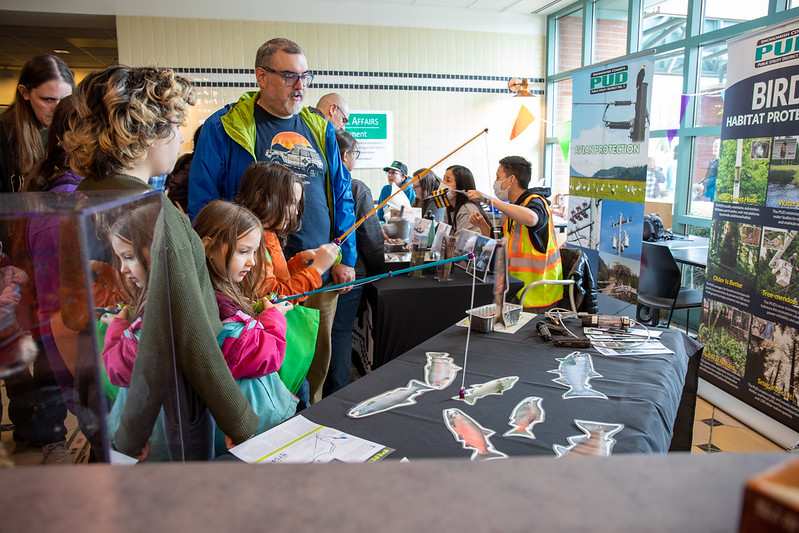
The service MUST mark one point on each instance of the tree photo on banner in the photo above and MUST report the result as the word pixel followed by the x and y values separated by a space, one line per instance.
pixel 750 313
pixel 608 169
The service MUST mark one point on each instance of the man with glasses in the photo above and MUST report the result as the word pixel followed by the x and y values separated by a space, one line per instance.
pixel 334 108
pixel 273 125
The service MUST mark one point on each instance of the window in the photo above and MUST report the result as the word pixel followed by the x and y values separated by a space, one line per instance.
pixel 712 81
pixel 663 22
pixel 610 30
pixel 689 40
pixel 703 175
pixel 721 14
pixel 666 91
pixel 569 44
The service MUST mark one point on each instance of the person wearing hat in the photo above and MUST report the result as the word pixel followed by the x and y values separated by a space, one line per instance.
pixel 397 173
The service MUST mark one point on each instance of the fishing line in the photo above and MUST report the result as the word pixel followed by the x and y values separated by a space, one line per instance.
pixel 462 393
pixel 343 237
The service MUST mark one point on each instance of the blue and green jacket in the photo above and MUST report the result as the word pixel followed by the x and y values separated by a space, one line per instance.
pixel 226 147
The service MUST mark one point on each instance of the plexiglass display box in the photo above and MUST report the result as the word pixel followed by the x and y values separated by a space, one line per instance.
pixel 74 275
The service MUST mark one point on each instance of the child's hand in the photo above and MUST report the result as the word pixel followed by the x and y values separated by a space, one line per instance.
pixel 283 307
pixel 144 452
pixel 324 258
pixel 107 318
pixel 307 256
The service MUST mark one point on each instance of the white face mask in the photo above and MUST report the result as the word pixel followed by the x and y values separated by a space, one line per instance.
pixel 449 192
pixel 499 192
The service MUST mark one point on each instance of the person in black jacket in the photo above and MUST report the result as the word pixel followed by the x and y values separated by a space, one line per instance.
pixel 370 262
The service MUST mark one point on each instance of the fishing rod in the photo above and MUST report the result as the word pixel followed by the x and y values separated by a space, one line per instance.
pixel 344 236
pixel 388 274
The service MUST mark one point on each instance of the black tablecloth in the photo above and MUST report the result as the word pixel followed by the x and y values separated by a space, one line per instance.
pixel 406 311
pixel 643 394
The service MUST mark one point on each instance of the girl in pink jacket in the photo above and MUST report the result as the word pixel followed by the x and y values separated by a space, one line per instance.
pixel 253 344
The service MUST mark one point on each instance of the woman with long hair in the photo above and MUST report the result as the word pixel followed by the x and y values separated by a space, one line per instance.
pixel 125 131
pixel 424 187
pixel 44 81
pixel 53 173
pixel 459 179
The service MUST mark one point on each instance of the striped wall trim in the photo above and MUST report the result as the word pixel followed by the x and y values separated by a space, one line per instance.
pixel 376 81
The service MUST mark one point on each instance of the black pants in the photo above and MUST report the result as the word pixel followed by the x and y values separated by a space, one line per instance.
pixel 35 403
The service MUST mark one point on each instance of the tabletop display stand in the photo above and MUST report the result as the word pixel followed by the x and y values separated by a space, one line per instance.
pixel 56 272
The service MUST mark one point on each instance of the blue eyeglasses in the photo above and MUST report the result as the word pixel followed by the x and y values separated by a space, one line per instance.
pixel 290 78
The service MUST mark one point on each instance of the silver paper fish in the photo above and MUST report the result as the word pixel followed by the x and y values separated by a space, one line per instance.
pixel 389 400
pixel 575 370
pixel 440 370
pixel 524 416
pixel 597 440
pixel 481 390
pixel 471 434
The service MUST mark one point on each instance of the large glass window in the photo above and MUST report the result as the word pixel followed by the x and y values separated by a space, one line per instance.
pixel 689 40
pixel 724 13
pixel 705 169
pixel 663 22
pixel 610 30
pixel 712 81
pixel 661 171
pixel 569 41
pixel 562 108
pixel 667 90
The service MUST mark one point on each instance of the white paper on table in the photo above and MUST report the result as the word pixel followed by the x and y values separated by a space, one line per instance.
pixel 298 440
pixel 647 348
pixel 632 333
pixel 120 459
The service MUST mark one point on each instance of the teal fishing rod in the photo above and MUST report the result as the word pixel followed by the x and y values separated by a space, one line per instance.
pixel 388 274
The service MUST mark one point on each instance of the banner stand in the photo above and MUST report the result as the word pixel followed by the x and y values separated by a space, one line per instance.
pixel 768 427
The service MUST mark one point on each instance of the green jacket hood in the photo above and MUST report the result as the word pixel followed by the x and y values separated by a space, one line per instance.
pixel 239 123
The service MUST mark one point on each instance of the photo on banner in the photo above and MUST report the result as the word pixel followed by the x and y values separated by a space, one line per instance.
pixel 608 169
pixel 750 313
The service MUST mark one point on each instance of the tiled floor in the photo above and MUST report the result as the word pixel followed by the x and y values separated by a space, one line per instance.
pixel 716 431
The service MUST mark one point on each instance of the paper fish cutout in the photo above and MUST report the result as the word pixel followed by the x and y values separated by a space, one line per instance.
pixel 597 440
pixel 575 370
pixel 440 370
pixel 481 390
pixel 524 416
pixel 388 400
pixel 471 434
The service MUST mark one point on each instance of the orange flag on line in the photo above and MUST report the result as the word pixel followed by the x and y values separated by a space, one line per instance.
pixel 523 119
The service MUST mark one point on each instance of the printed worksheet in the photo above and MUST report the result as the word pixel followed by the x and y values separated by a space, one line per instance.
pixel 299 440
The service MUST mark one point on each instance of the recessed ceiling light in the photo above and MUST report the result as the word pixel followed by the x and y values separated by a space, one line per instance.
pixel 62 51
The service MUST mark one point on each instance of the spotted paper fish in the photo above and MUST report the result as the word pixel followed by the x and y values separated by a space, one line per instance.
pixel 481 390
pixel 524 416
pixel 471 434
pixel 575 370
pixel 597 440
pixel 440 370
pixel 388 400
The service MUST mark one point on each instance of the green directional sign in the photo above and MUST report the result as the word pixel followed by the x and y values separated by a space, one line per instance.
pixel 374 132
pixel 368 125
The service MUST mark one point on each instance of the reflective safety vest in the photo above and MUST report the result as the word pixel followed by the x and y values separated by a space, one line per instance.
pixel 528 264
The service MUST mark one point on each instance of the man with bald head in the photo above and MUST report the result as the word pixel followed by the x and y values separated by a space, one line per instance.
pixel 335 109
pixel 273 125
